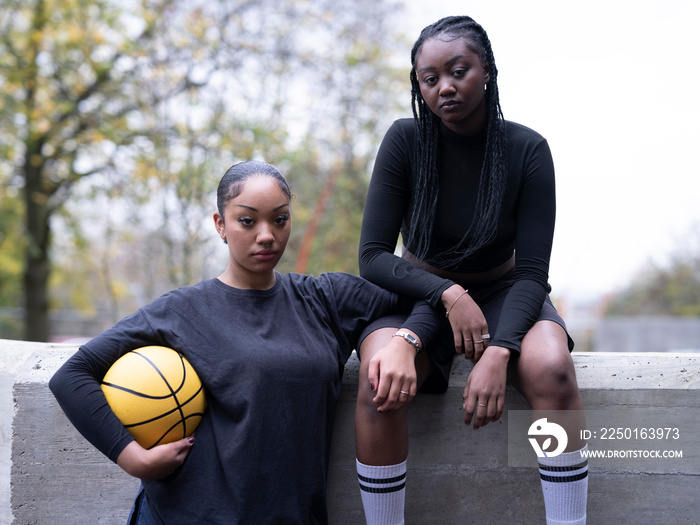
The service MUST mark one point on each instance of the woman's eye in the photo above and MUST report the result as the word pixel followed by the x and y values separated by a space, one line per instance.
pixel 430 80
pixel 282 219
pixel 245 221
pixel 459 72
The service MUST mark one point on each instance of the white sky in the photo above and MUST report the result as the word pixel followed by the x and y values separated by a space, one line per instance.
pixel 614 86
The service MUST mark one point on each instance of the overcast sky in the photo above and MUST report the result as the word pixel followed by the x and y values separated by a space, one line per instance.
pixel 614 87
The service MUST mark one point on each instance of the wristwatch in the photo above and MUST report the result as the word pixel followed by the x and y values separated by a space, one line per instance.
pixel 410 338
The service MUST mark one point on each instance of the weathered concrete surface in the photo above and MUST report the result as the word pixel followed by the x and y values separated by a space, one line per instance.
pixel 459 476
pixel 456 475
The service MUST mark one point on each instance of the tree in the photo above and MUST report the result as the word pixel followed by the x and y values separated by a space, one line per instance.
pixel 77 77
pixel 118 116
pixel 670 289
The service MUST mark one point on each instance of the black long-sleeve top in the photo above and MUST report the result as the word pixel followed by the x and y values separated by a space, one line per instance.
pixel 525 226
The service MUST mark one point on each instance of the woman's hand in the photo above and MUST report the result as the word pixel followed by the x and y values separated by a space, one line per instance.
pixel 155 463
pixel 485 392
pixel 392 374
pixel 469 327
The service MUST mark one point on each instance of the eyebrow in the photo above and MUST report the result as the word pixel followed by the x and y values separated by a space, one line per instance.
pixel 448 63
pixel 251 208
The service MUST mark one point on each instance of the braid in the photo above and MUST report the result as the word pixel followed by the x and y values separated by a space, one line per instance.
pixel 491 189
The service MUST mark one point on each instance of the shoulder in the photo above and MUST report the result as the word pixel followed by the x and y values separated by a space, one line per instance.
pixel 402 130
pixel 332 285
pixel 526 145
pixel 184 295
pixel 517 133
pixel 326 280
pixel 203 287
pixel 407 125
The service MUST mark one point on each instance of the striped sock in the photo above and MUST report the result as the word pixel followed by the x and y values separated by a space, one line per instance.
pixel 565 487
pixel 383 491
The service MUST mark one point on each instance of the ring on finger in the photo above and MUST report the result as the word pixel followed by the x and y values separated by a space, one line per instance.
pixel 479 342
pixel 481 405
pixel 403 392
pixel 485 336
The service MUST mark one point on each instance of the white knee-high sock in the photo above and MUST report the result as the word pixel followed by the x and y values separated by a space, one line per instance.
pixel 383 491
pixel 565 487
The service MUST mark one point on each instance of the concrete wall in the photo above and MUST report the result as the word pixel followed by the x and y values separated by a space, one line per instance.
pixel 51 475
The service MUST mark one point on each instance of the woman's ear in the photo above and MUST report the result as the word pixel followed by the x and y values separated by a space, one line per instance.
pixel 219 225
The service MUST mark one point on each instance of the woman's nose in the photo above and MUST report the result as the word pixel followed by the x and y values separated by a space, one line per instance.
pixel 265 235
pixel 447 87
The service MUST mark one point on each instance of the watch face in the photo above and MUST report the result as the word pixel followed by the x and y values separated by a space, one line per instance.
pixel 410 338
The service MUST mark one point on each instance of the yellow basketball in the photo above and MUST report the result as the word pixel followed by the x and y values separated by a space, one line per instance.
pixel 156 394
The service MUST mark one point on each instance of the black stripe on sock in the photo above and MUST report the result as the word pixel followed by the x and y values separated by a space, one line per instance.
pixel 382 490
pixel 553 468
pixel 563 479
pixel 381 480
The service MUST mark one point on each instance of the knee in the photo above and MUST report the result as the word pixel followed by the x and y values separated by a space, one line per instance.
pixel 365 394
pixel 551 382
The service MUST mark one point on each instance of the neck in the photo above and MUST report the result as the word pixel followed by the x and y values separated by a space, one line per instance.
pixel 249 281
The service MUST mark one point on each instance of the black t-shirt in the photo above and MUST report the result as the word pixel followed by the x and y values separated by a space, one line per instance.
pixel 271 362
pixel 525 226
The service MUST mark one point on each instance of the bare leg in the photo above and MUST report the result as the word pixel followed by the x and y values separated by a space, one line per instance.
pixel 546 376
pixel 381 438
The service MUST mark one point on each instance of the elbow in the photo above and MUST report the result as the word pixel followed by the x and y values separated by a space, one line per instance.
pixel 366 256
pixel 364 268
pixel 55 383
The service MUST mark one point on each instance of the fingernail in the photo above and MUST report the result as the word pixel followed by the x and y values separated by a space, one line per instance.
pixel 373 386
pixel 190 439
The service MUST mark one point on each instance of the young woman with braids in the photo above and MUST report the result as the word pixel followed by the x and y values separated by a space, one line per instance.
pixel 473 198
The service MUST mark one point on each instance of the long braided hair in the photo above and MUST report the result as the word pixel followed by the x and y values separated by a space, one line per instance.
pixel 482 228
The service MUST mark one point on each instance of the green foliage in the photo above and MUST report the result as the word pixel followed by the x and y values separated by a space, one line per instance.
pixel 119 118
pixel 12 244
pixel 673 289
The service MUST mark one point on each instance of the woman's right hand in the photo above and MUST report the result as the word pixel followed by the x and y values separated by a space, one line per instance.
pixel 468 323
pixel 157 462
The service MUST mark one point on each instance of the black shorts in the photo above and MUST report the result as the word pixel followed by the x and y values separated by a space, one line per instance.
pixel 441 351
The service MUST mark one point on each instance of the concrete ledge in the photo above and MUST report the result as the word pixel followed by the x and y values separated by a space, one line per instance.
pixel 456 476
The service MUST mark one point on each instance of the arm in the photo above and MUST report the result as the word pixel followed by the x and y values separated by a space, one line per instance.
pixel 76 386
pixel 387 204
pixel 535 229
pixel 392 371
pixel 355 302
pixel 535 219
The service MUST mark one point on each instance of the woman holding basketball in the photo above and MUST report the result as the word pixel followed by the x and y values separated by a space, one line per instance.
pixel 473 198
pixel 270 351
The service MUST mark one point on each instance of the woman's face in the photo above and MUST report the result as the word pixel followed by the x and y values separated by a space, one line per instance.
pixel 452 81
pixel 256 225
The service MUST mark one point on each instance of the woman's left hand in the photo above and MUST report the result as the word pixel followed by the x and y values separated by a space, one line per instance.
pixel 484 394
pixel 392 373
pixel 154 463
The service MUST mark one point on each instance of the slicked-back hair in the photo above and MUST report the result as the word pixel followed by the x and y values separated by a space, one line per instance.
pixel 231 184
pixel 491 189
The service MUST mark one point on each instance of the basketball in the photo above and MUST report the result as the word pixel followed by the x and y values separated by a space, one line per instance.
pixel 156 394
